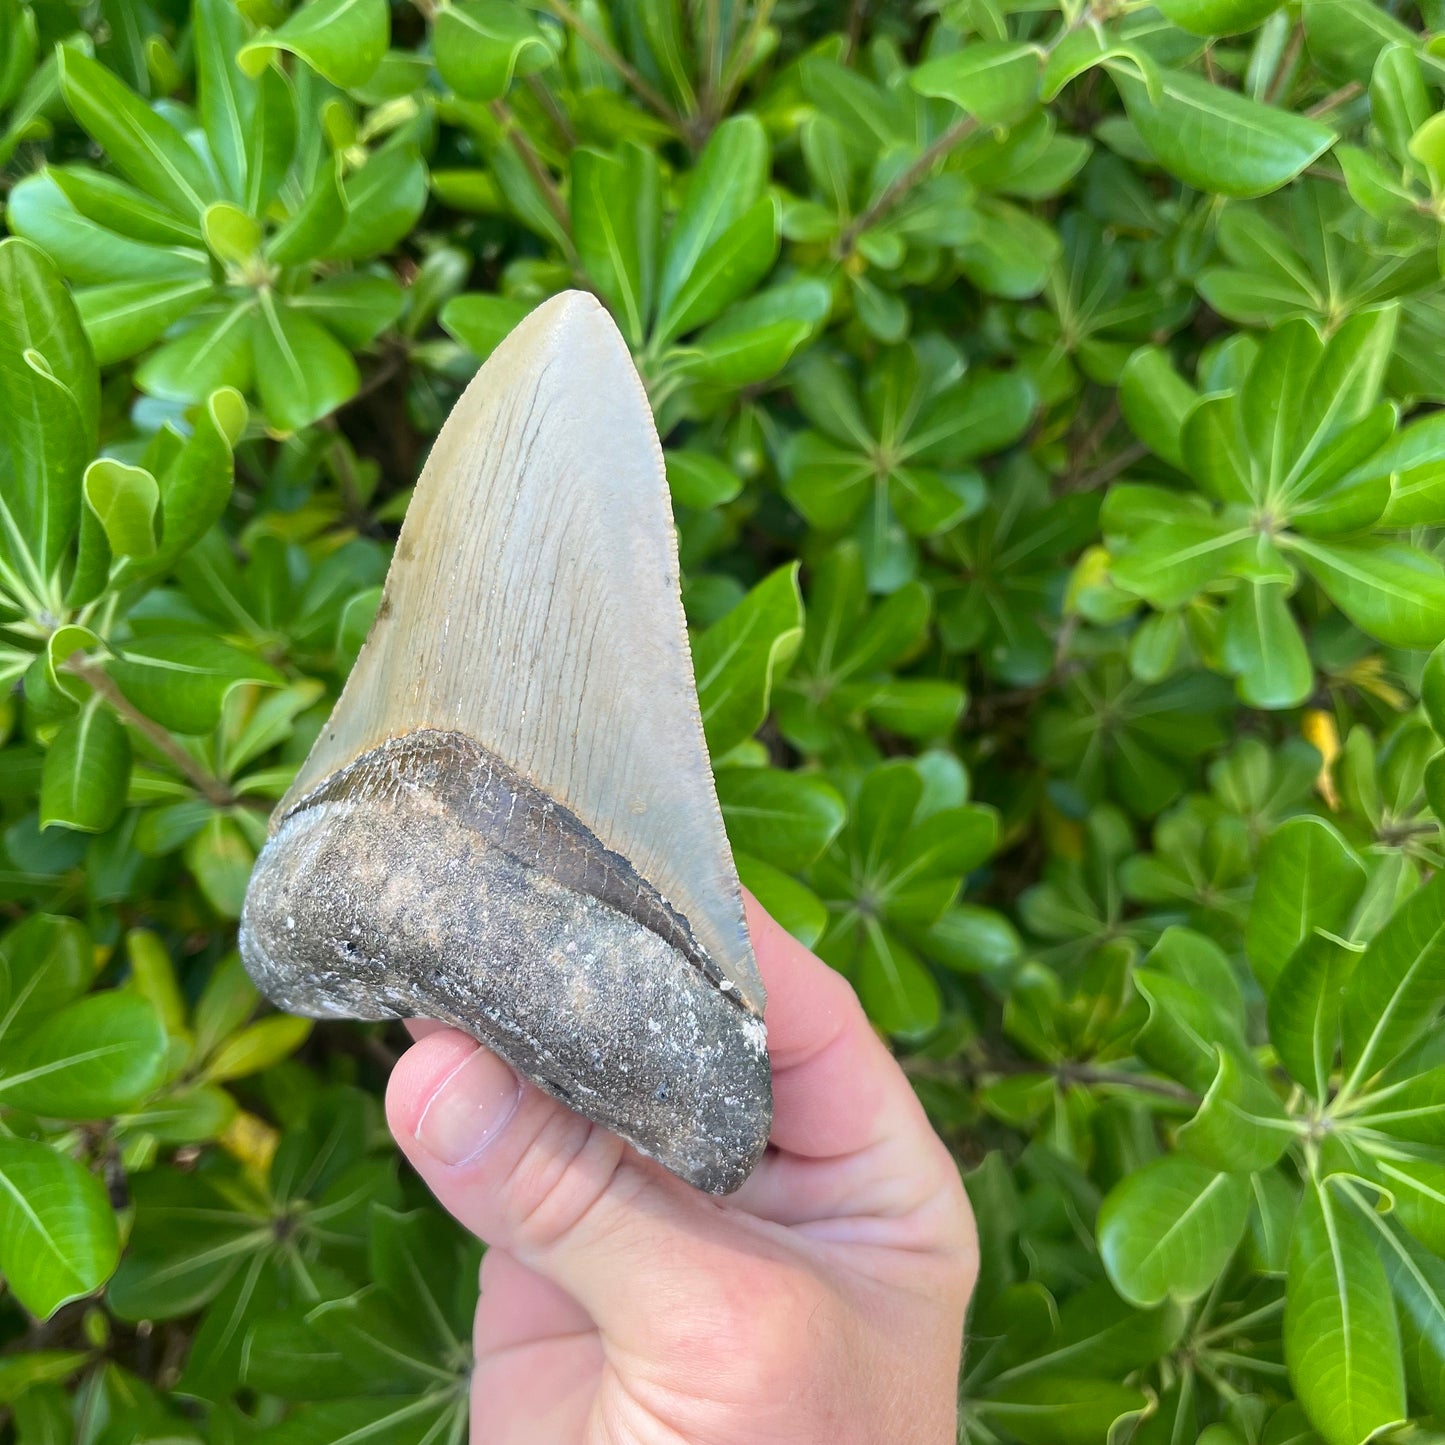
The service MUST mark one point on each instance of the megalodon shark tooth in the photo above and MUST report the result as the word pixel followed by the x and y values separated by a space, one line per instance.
pixel 509 821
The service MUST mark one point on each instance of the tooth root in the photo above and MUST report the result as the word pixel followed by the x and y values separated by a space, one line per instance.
pixel 509 821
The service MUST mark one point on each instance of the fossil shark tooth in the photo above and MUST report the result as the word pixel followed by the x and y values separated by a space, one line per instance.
pixel 509 821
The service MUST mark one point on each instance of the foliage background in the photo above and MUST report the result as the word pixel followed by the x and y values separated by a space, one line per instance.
pixel 1050 395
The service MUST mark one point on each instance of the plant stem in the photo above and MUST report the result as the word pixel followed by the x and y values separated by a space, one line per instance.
pixel 514 133
pixel 1346 93
pixel 737 69
pixel 555 113
pixel 607 53
pixel 904 182
pixel 211 788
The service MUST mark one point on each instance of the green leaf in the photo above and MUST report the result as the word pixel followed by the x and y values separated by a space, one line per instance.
pixel 343 40
pixel 124 319
pixel 481 322
pixel 897 991
pixel 1218 17
pixel 182 681
pixel 118 207
pixel 1304 1009
pixel 1060 1410
pixel 730 267
pixel 257 1047
pixel 91 1060
pixel 1155 400
pixel 124 498
pixel 1263 648
pixel 481 44
pixel 1309 878
pixel 725 185
pixel 1169 565
pixel 213 351
pixel 313 226
pixel 87 768
pixel 47 424
pixel 302 371
pixel 227 104
pixel 739 657
pixel 1391 590
pixel 1341 1340
pixel 1217 140
pixel 1241 1127
pixel 220 856
pixel 58 1236
pixel 616 209
pixel 793 905
pixel 698 479
pixel 786 819
pixel 1414 465
pixel 1168 1229
pixel 995 81
pixel 1398 985
pixel 383 201
pixel 49 961
pixel 144 147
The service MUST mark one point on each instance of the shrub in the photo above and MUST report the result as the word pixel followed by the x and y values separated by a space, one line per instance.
pixel 1050 406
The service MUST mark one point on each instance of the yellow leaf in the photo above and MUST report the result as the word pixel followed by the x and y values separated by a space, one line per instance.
pixel 1320 732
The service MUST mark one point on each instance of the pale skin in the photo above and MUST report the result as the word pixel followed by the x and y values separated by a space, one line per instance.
pixel 822 1304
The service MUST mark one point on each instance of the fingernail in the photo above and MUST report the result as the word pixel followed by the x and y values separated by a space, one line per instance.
pixel 470 1107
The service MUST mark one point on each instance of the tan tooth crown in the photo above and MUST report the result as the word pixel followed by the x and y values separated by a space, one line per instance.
pixel 533 605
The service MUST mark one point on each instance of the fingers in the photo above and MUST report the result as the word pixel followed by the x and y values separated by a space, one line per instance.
pixel 836 1088
pixel 627 1242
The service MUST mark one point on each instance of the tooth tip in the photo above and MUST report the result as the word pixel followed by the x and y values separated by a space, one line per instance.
pixel 565 321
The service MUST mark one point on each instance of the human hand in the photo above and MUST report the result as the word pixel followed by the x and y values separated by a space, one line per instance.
pixel 823 1302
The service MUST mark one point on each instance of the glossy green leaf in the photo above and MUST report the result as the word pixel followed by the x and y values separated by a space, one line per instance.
pixel 1309 878
pixel 342 39
pixel 144 147
pixel 481 44
pixel 1217 140
pixel 616 209
pixel 124 499
pixel 1304 1008
pixel 1341 1341
pixel 181 681
pixel 92 1059
pixel 786 819
pixel 1241 1126
pixel 1170 1228
pixel 302 371
pixel 1398 985
pixel 87 767
pixel 58 1236
pixel 995 81
pixel 739 657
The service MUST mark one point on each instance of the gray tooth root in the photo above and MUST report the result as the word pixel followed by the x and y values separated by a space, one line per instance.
pixel 395 891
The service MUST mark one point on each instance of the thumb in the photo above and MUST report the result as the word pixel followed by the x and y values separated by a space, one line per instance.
pixel 564 1196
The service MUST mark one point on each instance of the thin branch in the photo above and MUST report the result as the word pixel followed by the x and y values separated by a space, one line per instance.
pixel 609 55
pixel 514 133
pixel 1282 74
pixel 211 788
pixel 742 58
pixel 555 113
pixel 1346 93
pixel 1106 472
pixel 856 13
pixel 904 182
